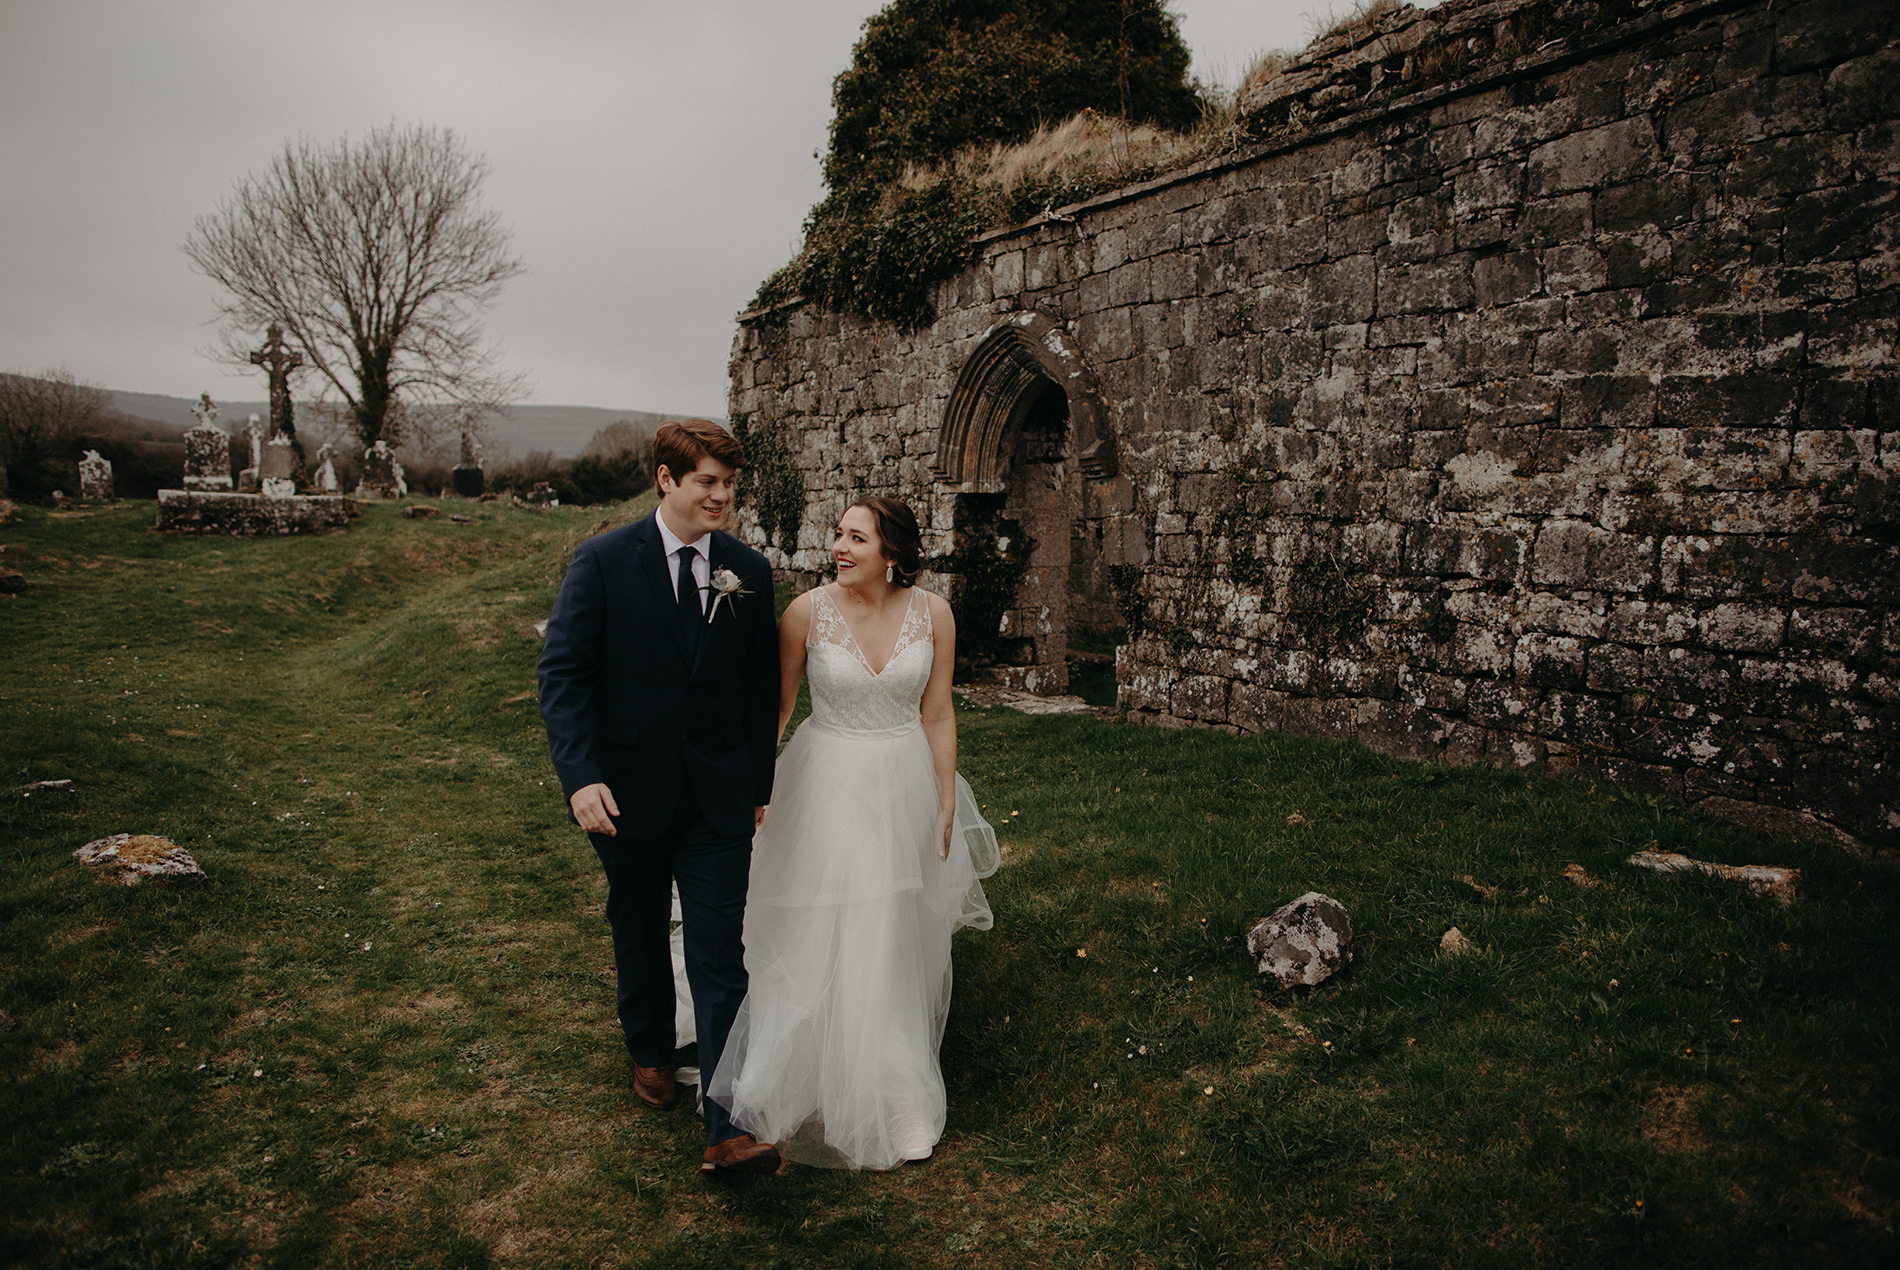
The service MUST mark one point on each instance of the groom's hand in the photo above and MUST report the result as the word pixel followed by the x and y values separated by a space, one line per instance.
pixel 594 807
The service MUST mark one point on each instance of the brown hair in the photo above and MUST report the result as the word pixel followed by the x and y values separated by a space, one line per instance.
pixel 897 530
pixel 678 447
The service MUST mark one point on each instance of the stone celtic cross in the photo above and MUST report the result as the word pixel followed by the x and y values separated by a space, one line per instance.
pixel 280 361
pixel 206 411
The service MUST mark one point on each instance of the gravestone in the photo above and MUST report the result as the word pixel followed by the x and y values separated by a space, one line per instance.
pixel 543 495
pixel 207 449
pixel 248 478
pixel 467 479
pixel 326 470
pixel 276 476
pixel 279 361
pixel 95 478
pixel 382 474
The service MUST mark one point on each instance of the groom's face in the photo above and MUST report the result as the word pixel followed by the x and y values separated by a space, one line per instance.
pixel 695 504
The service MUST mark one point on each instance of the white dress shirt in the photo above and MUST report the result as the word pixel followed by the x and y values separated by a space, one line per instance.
pixel 702 558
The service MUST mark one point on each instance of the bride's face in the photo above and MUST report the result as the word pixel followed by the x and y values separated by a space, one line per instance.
pixel 857 550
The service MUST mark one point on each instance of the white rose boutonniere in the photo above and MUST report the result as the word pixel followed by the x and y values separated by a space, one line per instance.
pixel 725 586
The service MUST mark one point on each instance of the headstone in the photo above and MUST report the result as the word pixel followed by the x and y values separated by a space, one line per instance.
pixel 466 480
pixel 382 474
pixel 276 476
pixel 248 478
pixel 543 495
pixel 1304 943
pixel 207 449
pixel 326 470
pixel 279 362
pixel 95 478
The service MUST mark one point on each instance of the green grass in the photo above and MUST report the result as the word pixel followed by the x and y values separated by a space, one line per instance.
pixel 402 933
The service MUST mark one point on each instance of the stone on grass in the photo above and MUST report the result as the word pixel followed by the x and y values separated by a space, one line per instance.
pixel 418 511
pixel 130 858
pixel 1777 883
pixel 1305 943
pixel 1453 942
pixel 34 786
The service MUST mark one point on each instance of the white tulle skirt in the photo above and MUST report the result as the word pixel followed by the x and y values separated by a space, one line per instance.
pixel 847 931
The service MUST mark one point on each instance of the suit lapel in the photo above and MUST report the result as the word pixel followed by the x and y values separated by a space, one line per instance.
pixel 715 560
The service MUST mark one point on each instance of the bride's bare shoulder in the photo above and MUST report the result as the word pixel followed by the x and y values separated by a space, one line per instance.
pixel 939 608
pixel 798 613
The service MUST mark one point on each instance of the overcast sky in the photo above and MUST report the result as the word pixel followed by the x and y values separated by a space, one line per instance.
pixel 653 158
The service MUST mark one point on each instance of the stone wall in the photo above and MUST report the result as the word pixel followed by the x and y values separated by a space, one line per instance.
pixel 1542 417
pixel 250 515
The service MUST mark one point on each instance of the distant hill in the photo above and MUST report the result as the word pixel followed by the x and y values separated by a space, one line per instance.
pixel 563 430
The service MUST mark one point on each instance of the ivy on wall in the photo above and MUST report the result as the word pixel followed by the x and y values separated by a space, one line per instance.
pixel 770 482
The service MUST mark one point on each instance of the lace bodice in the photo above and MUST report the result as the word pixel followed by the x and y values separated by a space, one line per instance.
pixel 845 693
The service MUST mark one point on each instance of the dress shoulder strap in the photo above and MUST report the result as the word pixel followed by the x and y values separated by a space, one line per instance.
pixel 916 627
pixel 827 621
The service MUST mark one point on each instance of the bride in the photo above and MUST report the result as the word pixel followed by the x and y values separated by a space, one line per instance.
pixel 868 861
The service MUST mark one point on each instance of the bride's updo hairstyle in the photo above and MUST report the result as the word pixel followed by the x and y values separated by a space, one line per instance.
pixel 897 530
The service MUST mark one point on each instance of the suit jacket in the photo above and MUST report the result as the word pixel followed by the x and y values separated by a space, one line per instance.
pixel 623 706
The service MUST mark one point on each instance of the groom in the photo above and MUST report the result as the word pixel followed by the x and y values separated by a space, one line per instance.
pixel 660 690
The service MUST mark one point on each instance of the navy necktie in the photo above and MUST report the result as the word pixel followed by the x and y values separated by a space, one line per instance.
pixel 691 615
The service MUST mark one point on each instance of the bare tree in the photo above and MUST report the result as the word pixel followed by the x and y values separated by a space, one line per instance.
pixel 378 260
pixel 39 416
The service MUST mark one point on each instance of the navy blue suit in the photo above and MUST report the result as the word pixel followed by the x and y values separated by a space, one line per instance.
pixel 687 750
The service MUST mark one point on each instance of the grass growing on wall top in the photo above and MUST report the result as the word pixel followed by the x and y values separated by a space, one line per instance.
pixel 381 1032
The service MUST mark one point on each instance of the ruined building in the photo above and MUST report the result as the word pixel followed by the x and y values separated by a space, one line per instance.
pixel 1528 396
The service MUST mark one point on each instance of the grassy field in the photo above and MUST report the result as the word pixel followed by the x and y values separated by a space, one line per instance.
pixel 381 1032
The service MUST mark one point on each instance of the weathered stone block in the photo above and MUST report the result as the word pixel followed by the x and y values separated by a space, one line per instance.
pixel 1202 697
pixel 1342 291
pixel 1821 31
pixel 1743 627
pixel 1304 943
pixel 1006 274
pixel 1424 288
pixel 1593 158
pixel 1864 90
pixel 1506 279
pixel 1549 661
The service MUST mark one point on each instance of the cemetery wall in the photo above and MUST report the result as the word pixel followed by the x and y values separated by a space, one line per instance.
pixel 1545 417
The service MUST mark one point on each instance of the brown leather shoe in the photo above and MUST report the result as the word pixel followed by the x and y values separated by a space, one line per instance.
pixel 655 1087
pixel 743 1154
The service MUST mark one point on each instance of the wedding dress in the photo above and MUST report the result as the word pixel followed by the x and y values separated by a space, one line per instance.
pixel 849 916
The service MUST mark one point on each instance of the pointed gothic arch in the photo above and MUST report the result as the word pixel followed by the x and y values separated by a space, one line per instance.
pixel 1014 366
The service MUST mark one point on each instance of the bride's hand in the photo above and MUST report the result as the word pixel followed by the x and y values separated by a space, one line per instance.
pixel 946 822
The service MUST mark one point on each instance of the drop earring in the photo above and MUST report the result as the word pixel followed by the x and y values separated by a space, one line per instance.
pixel 890 572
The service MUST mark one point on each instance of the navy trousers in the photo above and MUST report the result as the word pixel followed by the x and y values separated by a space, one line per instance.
pixel 711 870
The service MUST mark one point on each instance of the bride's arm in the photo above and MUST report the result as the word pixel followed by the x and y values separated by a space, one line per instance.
pixel 792 631
pixel 940 718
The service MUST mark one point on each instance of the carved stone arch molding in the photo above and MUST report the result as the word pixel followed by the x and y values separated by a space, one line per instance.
pixel 1013 365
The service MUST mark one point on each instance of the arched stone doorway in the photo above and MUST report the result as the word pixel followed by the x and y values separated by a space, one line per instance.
pixel 1025 449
